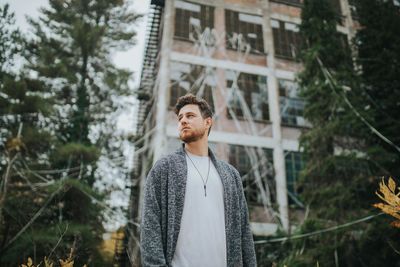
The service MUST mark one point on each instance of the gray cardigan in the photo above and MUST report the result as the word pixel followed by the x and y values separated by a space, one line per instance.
pixel 162 209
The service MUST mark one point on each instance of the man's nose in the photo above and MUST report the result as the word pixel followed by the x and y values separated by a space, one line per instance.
pixel 183 120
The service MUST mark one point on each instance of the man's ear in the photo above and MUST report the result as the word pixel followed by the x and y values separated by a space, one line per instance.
pixel 209 121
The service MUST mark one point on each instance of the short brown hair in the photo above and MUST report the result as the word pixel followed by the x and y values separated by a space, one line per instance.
pixel 190 99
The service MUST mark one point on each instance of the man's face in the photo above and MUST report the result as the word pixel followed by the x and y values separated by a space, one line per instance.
pixel 191 124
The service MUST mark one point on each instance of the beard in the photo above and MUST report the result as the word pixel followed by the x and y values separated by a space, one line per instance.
pixel 192 135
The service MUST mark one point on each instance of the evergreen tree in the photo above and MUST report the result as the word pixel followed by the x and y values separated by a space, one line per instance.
pixel 378 46
pixel 70 60
pixel 338 180
pixel 25 141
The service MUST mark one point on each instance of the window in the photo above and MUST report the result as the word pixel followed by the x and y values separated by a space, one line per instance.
pixel 253 162
pixel 291 105
pixel 248 95
pixel 289 2
pixel 244 32
pixel 186 78
pixel 294 164
pixel 287 39
pixel 191 20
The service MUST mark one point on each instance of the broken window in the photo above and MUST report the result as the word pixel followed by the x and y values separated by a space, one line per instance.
pixel 291 105
pixel 287 39
pixel 255 165
pixel 187 78
pixel 244 32
pixel 192 19
pixel 248 96
pixel 294 164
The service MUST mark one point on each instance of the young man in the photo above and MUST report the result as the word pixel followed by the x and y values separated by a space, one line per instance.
pixel 194 211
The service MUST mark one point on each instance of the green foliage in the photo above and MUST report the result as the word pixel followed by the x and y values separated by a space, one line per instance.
pixel 378 45
pixel 10 38
pixel 344 157
pixel 75 152
pixel 48 151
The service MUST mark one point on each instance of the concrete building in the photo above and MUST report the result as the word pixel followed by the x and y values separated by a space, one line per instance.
pixel 240 56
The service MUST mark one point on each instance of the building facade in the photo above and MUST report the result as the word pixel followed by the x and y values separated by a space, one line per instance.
pixel 240 55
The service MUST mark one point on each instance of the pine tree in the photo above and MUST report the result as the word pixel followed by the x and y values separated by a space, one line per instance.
pixel 378 46
pixel 335 178
pixel 25 141
pixel 69 59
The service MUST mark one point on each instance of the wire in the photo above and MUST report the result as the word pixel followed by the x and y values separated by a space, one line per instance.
pixel 329 77
pixel 330 229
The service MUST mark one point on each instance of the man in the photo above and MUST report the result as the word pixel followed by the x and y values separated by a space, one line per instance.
pixel 194 211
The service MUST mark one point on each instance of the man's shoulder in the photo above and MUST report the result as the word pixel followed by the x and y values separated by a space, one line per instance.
pixel 166 160
pixel 227 166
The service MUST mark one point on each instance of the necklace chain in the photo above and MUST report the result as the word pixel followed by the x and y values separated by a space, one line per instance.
pixel 202 179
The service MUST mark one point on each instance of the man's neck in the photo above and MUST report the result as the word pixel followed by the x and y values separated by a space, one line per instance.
pixel 198 148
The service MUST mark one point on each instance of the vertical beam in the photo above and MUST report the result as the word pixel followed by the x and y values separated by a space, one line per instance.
pixel 278 155
pixel 161 92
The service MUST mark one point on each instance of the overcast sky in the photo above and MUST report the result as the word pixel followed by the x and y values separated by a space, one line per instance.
pixel 131 59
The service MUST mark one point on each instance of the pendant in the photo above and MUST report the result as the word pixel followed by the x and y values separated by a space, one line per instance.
pixel 205 191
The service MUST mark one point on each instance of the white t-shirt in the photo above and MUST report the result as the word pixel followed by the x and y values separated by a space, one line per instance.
pixel 201 240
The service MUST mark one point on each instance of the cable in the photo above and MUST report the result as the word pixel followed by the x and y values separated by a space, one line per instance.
pixel 330 229
pixel 329 77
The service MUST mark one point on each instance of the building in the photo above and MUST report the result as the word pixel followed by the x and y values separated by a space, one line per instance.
pixel 240 56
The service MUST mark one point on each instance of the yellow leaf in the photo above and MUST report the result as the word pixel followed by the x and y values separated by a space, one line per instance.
pixel 395 224
pixel 67 263
pixel 392 184
pixel 389 209
pixel 387 193
pixel 47 262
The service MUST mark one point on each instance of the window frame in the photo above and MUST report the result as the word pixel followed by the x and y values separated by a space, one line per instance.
pixel 286 98
pixel 285 39
pixel 232 23
pixel 182 26
pixel 238 156
pixel 250 82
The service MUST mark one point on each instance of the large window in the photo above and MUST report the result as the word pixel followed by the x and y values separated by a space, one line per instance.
pixel 244 32
pixel 291 105
pixel 191 19
pixel 255 165
pixel 287 39
pixel 294 164
pixel 248 96
pixel 187 78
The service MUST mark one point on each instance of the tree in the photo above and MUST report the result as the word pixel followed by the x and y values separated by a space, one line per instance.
pixel 338 181
pixel 25 140
pixel 69 59
pixel 378 47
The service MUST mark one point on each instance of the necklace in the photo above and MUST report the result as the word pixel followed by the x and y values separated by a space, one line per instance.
pixel 202 179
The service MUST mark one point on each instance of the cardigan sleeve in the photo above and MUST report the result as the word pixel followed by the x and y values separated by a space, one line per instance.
pixel 151 244
pixel 248 251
